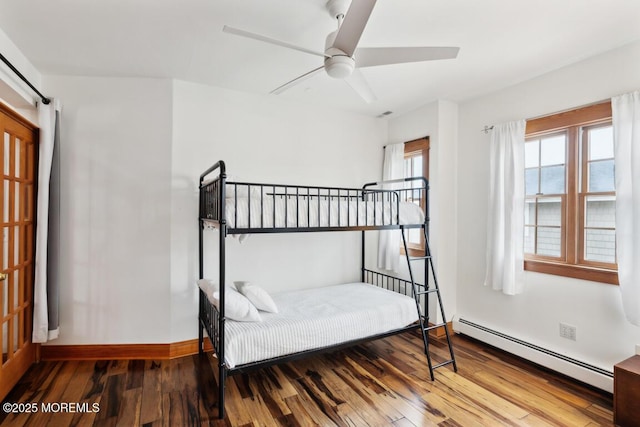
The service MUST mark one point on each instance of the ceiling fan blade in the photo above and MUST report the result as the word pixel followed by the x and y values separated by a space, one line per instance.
pixel 372 56
pixel 358 83
pixel 295 81
pixel 243 33
pixel 353 25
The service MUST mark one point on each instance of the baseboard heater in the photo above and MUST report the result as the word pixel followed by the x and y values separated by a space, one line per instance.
pixel 548 352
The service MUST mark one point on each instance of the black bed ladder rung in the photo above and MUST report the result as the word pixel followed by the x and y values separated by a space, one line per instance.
pixel 423 313
pixel 428 291
pixel 445 363
pixel 432 327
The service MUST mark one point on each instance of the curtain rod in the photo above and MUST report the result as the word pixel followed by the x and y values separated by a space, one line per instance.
pixel 44 99
pixel 486 128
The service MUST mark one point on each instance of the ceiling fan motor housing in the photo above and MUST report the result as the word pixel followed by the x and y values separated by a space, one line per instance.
pixel 337 64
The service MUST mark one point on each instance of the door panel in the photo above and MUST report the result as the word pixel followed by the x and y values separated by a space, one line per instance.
pixel 18 158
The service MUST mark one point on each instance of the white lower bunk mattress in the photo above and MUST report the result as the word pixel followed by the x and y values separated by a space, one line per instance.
pixel 316 318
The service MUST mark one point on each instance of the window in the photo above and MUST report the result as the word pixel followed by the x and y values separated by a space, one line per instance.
pixel 570 195
pixel 416 163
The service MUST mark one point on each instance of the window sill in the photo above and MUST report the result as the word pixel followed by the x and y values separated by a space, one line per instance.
pixel 575 271
pixel 412 251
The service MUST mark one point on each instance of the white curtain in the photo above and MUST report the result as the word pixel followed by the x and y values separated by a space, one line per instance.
pixel 389 240
pixel 505 224
pixel 626 137
pixel 45 294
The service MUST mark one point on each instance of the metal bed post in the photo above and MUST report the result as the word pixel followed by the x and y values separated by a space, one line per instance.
pixel 362 252
pixel 222 366
pixel 362 258
pixel 427 248
pixel 200 268
pixel 219 339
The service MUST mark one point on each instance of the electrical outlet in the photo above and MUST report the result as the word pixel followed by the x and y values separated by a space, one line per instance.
pixel 568 331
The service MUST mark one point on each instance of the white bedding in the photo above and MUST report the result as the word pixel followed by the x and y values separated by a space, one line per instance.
pixel 316 318
pixel 319 213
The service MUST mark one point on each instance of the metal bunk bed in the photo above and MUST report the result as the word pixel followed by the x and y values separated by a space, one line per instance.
pixel 237 208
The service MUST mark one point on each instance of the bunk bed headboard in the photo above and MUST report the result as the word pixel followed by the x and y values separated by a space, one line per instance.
pixel 211 192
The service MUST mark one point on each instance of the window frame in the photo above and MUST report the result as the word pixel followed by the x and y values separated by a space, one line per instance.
pixel 419 146
pixel 572 262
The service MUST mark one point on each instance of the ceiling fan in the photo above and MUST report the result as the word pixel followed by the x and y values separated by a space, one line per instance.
pixel 343 57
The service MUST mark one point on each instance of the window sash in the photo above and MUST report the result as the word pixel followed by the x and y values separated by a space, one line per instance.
pixel 412 149
pixel 573 260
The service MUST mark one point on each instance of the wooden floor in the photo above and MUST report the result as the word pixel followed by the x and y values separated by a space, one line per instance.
pixel 381 383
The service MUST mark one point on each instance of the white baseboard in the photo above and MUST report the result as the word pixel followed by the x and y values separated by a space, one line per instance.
pixel 573 368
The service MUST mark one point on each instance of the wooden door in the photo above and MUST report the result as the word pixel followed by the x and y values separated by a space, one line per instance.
pixel 18 159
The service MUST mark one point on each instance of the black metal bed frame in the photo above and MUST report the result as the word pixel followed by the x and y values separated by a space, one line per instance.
pixel 212 208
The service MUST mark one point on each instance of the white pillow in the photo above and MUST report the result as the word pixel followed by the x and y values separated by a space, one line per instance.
pixel 258 296
pixel 237 306
pixel 207 286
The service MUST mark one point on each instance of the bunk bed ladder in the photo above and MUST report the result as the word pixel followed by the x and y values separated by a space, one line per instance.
pixel 427 290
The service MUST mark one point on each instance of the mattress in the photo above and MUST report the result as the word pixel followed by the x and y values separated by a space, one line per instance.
pixel 292 212
pixel 316 318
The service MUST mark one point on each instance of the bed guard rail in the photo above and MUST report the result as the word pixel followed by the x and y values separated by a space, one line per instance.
pixel 259 207
pixel 414 189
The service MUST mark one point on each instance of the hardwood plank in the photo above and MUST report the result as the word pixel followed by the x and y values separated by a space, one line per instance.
pixel 288 420
pixel 277 378
pixel 369 397
pixel 111 397
pixel 207 388
pixel 258 412
pixel 353 417
pixel 73 393
pixel 129 414
pixel 403 422
pixel 151 404
pixel 501 407
pixel 535 400
pixel 329 381
pixel 135 374
pixel 234 403
pixel 51 392
pixel 299 409
pixel 325 406
pixel 261 385
pixel 534 421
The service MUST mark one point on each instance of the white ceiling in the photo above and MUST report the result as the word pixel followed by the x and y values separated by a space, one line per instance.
pixel 501 42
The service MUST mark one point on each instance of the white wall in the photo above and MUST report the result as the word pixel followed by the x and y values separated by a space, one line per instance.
pixel 439 121
pixel 263 139
pixel 115 156
pixel 131 153
pixel 603 335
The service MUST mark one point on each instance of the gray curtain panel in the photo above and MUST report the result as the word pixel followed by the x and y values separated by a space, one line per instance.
pixel 53 244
